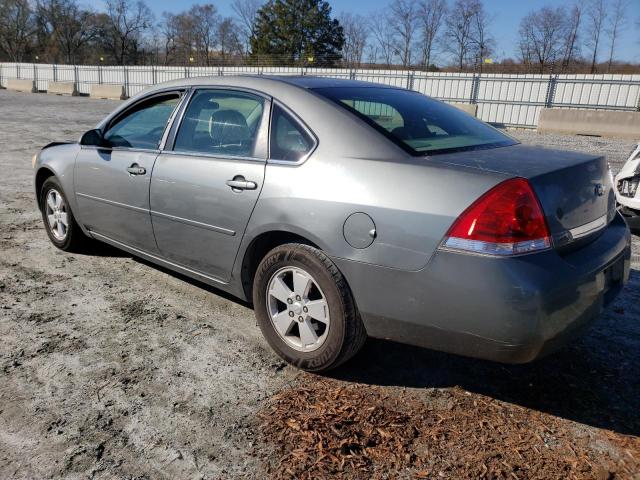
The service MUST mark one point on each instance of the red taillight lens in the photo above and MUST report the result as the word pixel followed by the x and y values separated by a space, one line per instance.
pixel 507 220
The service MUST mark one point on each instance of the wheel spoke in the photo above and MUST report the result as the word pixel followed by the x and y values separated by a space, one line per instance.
pixel 301 284
pixel 60 229
pixel 63 219
pixel 50 201
pixel 283 322
pixel 318 310
pixel 280 290
pixel 52 221
pixel 58 199
pixel 308 334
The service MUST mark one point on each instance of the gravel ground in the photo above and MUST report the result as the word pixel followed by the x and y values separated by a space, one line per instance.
pixel 114 368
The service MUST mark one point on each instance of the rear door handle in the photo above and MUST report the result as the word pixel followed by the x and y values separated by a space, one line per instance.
pixel 239 183
pixel 136 169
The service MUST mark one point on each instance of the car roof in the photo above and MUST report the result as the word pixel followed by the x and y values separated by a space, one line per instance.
pixel 306 81
pixel 266 83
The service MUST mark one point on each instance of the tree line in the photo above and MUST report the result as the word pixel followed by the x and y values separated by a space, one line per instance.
pixel 430 34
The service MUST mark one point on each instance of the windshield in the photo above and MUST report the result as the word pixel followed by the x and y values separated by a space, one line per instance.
pixel 417 123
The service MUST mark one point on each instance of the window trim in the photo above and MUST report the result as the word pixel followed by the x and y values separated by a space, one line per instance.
pixel 301 123
pixel 169 146
pixel 110 120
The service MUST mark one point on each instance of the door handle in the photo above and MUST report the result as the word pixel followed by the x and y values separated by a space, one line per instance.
pixel 239 183
pixel 136 169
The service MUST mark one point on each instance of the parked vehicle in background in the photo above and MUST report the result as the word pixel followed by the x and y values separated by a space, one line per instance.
pixel 627 192
pixel 343 209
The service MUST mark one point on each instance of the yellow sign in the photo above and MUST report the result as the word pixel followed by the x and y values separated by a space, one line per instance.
pixel 310 59
pixel 488 60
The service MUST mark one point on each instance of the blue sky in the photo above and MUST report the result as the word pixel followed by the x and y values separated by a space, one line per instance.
pixel 506 13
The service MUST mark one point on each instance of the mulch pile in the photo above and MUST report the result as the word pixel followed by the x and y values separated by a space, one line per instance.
pixel 326 428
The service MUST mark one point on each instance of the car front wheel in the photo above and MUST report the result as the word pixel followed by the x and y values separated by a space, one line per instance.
pixel 305 308
pixel 59 222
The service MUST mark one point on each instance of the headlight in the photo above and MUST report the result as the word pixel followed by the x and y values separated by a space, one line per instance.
pixel 34 159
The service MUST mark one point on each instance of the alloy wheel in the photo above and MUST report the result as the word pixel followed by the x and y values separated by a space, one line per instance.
pixel 57 217
pixel 298 309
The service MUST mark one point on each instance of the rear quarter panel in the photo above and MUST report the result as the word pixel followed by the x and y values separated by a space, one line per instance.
pixel 411 202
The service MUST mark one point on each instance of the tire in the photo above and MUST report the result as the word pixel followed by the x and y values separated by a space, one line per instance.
pixel 340 335
pixel 72 239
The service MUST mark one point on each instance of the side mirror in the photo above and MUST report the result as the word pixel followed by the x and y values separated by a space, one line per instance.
pixel 93 138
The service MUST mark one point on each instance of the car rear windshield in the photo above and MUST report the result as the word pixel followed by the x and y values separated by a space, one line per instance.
pixel 419 124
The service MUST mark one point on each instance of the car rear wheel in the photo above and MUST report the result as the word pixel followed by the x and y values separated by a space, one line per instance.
pixel 305 308
pixel 59 222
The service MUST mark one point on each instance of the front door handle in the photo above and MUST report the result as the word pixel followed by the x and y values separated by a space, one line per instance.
pixel 239 183
pixel 136 169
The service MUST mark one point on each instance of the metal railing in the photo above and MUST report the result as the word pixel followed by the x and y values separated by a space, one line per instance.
pixel 510 100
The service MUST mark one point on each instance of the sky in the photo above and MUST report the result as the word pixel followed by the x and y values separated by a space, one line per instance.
pixel 506 19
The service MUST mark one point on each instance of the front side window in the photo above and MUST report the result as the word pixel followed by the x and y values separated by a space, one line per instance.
pixel 419 124
pixel 221 122
pixel 143 125
pixel 289 140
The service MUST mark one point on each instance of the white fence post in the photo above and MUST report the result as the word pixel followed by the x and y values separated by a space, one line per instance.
pixel 551 90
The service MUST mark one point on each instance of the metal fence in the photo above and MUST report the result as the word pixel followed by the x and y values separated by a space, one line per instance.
pixel 510 100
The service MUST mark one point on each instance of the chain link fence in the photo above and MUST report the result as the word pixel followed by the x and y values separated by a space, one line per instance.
pixel 503 99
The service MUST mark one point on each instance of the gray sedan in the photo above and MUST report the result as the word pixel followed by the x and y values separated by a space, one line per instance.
pixel 346 209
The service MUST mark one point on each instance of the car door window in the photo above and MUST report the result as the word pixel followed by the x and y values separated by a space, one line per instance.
pixel 221 122
pixel 143 125
pixel 289 140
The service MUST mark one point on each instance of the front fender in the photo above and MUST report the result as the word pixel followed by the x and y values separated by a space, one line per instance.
pixel 60 160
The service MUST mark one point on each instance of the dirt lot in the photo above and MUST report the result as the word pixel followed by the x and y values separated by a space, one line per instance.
pixel 113 368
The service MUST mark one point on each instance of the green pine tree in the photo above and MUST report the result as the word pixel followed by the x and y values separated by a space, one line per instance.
pixel 298 32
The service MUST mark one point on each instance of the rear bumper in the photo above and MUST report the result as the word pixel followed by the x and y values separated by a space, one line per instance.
pixel 510 310
pixel 631 216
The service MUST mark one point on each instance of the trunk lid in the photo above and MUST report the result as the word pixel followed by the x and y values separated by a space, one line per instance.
pixel 575 189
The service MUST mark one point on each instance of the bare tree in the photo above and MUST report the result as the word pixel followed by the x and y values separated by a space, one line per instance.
pixel 247 12
pixel 169 28
pixel 430 18
pixel 355 37
pixel 121 29
pixel 596 16
pixel 228 40
pixel 17 24
pixel 384 37
pixel 482 42
pixel 403 23
pixel 205 23
pixel 572 27
pixel 459 29
pixel 617 22
pixel 541 34
pixel 70 26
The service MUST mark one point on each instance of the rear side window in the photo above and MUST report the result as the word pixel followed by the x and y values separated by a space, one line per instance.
pixel 289 140
pixel 415 122
pixel 221 122
pixel 143 125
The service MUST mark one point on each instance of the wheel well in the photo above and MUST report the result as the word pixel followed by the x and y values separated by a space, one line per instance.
pixel 257 250
pixel 41 176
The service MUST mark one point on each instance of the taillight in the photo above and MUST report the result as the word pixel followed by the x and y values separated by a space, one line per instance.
pixel 507 220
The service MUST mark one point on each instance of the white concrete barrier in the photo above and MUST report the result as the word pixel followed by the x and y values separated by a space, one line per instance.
pixel 62 88
pixel 470 108
pixel 111 92
pixel 21 85
pixel 582 121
